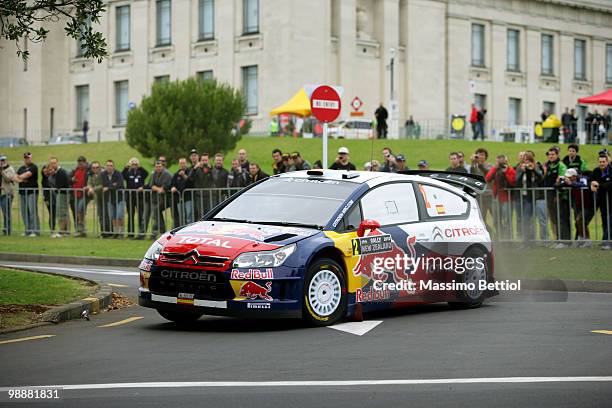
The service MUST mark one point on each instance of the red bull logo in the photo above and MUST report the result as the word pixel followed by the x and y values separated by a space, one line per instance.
pixel 251 290
pixel 365 265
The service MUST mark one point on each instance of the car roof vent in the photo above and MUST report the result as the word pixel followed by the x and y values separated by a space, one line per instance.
pixel 349 175
pixel 316 172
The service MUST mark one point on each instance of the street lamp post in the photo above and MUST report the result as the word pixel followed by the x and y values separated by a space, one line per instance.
pixel 393 132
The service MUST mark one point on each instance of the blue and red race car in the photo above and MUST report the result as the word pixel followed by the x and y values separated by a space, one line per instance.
pixel 325 245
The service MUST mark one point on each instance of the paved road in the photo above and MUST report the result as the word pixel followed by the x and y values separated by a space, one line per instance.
pixel 466 357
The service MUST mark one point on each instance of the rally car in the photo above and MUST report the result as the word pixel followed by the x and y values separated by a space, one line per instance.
pixel 325 245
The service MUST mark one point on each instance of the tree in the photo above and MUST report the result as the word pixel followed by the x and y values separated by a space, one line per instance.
pixel 27 20
pixel 182 115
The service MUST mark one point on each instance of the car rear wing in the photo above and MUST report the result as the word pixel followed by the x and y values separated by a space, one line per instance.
pixel 471 183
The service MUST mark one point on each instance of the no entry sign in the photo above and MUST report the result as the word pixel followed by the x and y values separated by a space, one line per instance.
pixel 325 104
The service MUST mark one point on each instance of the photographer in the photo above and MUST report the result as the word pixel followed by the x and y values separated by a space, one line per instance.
pixel 480 167
pixel 582 204
pixel 529 176
pixel 502 176
pixel 557 201
pixel 6 192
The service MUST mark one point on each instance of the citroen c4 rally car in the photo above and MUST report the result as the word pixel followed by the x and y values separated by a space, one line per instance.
pixel 324 245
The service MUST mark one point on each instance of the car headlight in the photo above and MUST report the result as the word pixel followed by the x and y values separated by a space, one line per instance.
pixel 264 259
pixel 154 251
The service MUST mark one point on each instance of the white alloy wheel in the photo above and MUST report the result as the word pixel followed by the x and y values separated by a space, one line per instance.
pixel 324 293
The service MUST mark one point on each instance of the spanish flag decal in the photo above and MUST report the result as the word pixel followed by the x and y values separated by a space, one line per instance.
pixel 440 209
pixel 185 299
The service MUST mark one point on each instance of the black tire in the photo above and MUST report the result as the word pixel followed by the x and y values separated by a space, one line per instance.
pixel 337 306
pixel 180 317
pixel 474 299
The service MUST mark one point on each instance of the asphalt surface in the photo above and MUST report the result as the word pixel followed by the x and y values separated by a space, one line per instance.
pixel 497 355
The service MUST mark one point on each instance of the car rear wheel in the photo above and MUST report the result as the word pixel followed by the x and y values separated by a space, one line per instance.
pixel 325 297
pixel 473 298
pixel 180 317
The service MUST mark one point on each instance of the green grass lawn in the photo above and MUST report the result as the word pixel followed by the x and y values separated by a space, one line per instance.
pixel 94 247
pixel 510 262
pixel 260 150
pixel 31 288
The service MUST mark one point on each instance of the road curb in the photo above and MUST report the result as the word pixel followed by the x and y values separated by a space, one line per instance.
pixel 70 260
pixel 93 304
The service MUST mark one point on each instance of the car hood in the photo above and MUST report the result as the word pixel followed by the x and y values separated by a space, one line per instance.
pixel 226 240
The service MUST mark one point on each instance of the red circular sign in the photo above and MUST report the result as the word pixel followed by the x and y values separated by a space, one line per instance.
pixel 325 104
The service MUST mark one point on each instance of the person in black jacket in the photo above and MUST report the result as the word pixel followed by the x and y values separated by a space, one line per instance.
pixel 200 179
pixel 177 186
pixel 529 176
pixel 342 161
pixel 255 173
pixel 238 177
pixel 49 197
pixel 134 176
pixel 60 183
pixel 112 188
pixel 601 185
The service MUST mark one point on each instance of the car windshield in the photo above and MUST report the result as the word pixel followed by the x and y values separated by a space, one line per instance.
pixel 289 201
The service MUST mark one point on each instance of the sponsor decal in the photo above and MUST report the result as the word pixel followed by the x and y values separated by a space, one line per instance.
pixel 251 290
pixel 341 215
pixel 437 234
pixel 258 305
pixel 440 209
pixel 237 230
pixel 252 274
pixel 185 298
pixel 371 295
pixel 372 244
pixel 366 265
pixel 145 265
pixel 210 241
pixel 463 232
pixel 189 275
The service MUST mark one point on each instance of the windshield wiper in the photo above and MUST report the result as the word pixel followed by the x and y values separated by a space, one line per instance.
pixel 229 220
pixel 289 224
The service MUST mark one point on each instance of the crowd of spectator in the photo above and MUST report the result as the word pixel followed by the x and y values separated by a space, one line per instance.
pixel 548 190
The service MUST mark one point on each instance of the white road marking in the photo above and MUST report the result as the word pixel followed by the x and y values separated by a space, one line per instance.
pixel 357 328
pixel 81 270
pixel 339 383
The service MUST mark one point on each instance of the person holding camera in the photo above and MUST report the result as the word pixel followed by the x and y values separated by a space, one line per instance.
pixel 6 192
pixel 529 176
pixel 502 176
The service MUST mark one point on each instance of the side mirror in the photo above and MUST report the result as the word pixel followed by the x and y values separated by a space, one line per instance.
pixel 367 225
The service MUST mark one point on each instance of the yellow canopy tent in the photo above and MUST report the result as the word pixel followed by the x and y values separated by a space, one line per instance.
pixel 299 104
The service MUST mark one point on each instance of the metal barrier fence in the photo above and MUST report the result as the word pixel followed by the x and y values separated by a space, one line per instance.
pixel 111 213
pixel 561 215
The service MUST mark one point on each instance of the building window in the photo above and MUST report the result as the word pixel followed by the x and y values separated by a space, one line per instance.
pixel 250 16
pixel 478 45
pixel 549 107
pixel 249 87
pixel 514 111
pixel 547 54
pixel 480 101
pixel 122 33
pixel 81 45
pixel 162 79
pixel 164 26
pixel 206 20
pixel 82 106
pixel 205 75
pixel 121 102
pixel 513 51
pixel 580 59
pixel 609 63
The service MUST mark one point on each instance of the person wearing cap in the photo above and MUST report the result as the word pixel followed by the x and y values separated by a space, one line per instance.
pixel 342 161
pixel 582 205
pixel 28 195
pixel 78 198
pixel 400 163
pixel 601 185
pixel 299 163
pixel 9 177
pixel 135 175
pixel 423 165
pixel 112 189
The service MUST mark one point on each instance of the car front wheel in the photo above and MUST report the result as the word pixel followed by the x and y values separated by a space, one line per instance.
pixel 325 297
